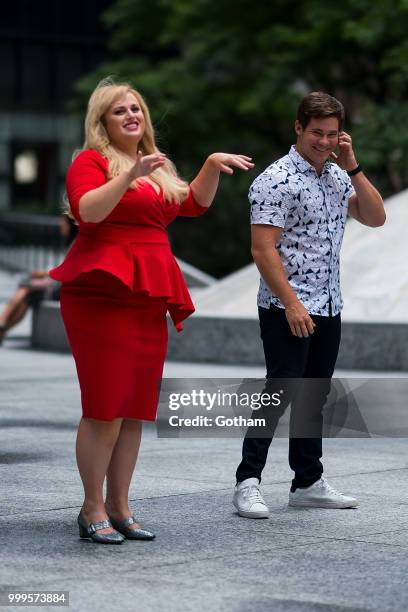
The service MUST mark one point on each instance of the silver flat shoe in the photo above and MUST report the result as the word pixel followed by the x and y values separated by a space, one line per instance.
pixel 91 531
pixel 131 534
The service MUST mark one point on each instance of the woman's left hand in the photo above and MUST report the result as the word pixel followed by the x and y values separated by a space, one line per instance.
pixel 223 162
pixel 205 184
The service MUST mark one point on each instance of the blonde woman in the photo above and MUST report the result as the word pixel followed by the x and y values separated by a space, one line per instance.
pixel 119 280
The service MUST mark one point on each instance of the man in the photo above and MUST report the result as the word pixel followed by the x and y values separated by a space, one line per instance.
pixel 299 206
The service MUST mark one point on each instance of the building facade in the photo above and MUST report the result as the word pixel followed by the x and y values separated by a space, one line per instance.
pixel 45 47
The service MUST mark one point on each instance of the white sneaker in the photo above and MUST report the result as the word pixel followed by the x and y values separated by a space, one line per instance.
pixel 248 499
pixel 321 495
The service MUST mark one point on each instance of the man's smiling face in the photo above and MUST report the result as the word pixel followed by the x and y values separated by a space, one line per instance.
pixel 317 140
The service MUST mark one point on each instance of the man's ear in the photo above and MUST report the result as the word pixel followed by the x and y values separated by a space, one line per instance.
pixel 298 128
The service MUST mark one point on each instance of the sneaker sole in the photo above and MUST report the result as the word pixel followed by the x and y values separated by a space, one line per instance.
pixel 253 515
pixel 311 504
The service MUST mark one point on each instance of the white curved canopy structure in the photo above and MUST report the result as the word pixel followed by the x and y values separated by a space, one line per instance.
pixel 374 274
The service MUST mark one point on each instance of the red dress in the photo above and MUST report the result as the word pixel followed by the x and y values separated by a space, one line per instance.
pixel 119 280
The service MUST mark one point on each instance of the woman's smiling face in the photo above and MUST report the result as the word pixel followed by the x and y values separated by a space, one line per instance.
pixel 124 121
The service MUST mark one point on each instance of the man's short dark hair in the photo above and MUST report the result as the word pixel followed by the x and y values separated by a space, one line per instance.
pixel 319 105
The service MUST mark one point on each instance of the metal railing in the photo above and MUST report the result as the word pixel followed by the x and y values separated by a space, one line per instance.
pixel 29 241
pixel 27 258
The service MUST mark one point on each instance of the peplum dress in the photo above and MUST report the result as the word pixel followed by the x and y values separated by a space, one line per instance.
pixel 119 280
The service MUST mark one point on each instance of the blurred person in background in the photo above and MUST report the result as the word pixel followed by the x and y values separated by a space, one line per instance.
pixel 34 287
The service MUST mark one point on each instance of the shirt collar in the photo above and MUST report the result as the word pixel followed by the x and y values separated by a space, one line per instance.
pixel 303 165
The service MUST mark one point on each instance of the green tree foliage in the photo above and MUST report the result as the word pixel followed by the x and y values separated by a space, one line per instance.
pixel 228 76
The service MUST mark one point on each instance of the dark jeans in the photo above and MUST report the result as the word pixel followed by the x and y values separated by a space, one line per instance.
pixel 287 357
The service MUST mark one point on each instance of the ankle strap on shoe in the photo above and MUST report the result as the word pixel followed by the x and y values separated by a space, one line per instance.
pixel 127 521
pixel 99 525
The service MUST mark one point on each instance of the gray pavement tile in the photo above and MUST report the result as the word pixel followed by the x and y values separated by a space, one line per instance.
pixel 389 486
pixel 320 575
pixel 39 487
pixel 375 514
pixel 57 540
pixel 391 538
pixel 332 573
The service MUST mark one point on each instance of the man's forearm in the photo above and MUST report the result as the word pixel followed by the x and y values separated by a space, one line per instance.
pixel 370 206
pixel 272 271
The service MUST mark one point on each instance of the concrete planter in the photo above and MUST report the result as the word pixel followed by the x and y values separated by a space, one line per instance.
pixel 364 346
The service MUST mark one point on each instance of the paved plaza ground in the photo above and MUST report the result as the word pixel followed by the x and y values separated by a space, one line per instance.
pixel 205 557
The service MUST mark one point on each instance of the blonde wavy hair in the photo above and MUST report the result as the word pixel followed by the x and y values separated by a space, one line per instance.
pixel 97 138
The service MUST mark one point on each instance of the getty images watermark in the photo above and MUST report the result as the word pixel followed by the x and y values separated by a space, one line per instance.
pixel 264 408
pixel 209 401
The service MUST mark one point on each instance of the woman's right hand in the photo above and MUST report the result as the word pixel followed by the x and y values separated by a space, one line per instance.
pixel 96 204
pixel 146 164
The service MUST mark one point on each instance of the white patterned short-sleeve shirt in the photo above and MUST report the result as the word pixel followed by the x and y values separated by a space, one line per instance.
pixel 312 211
